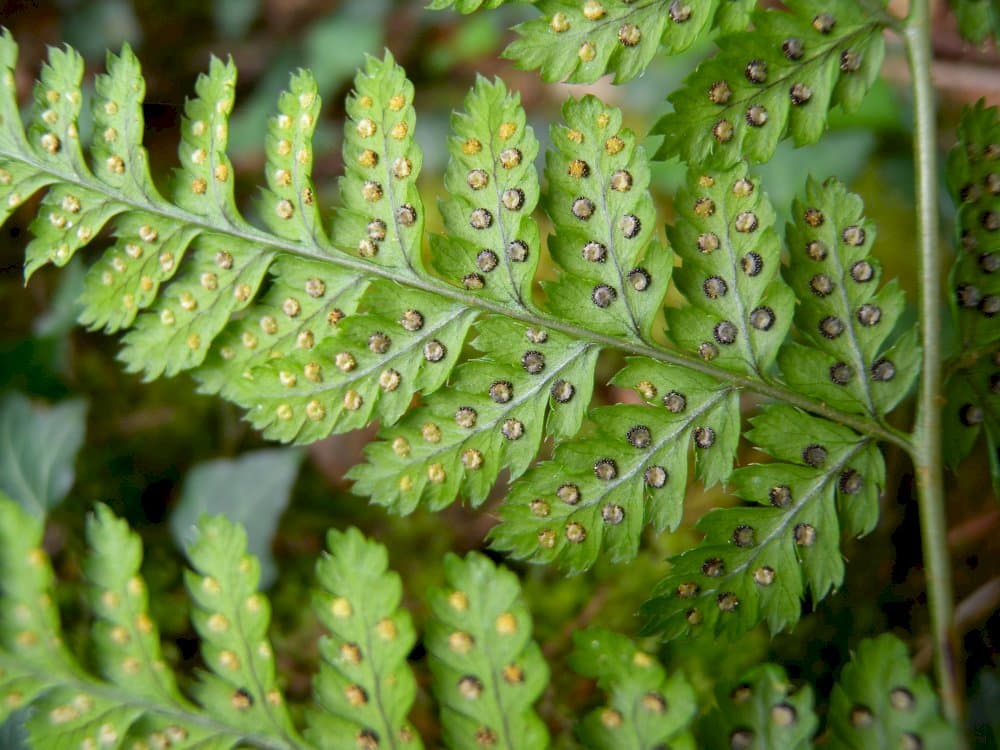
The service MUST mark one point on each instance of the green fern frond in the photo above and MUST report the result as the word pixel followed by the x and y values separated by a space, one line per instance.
pixel 29 619
pixel 740 309
pixel 382 217
pixel 364 688
pixel 782 79
pixel 615 273
pixel 879 702
pixel 599 491
pixel 315 336
pixel 755 563
pixel 487 670
pixel 126 638
pixel 645 708
pixel 843 316
pixel 763 710
pixel 977 19
pixel 139 703
pixel 493 246
pixel 232 619
pixel 580 42
pixel 973 385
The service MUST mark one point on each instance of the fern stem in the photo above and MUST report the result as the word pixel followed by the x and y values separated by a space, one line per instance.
pixel 927 449
pixel 437 287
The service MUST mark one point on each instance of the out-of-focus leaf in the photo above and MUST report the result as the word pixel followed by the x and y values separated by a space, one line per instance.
pixel 252 490
pixel 38 447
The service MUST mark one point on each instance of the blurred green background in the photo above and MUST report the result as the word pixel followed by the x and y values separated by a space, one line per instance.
pixel 144 439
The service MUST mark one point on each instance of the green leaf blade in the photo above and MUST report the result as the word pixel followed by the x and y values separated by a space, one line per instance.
pixel 493 246
pixel 740 103
pixel 487 671
pixel 878 700
pixel 756 563
pixel 364 688
pixel 646 707
pixel 492 416
pixel 845 319
pixel 614 274
pixel 599 491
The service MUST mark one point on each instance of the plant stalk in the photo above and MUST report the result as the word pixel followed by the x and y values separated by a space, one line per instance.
pixel 927 452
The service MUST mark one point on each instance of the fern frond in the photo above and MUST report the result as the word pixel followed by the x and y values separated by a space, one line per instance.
pixel 599 491
pixel 973 386
pixel 126 638
pixel 364 688
pixel 313 337
pixel 782 79
pixel 382 217
pixel 29 619
pixel 977 19
pixel 232 618
pixel 615 273
pixel 843 316
pixel 580 42
pixel 69 708
pixel 493 246
pixel 740 309
pixel 487 670
pixel 645 708
pixel 879 702
pixel 529 383
pixel 763 710
pixel 755 563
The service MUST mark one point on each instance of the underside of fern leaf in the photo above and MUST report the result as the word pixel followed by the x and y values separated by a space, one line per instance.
pixel 580 42
pixel 973 386
pixel 783 79
pixel 317 330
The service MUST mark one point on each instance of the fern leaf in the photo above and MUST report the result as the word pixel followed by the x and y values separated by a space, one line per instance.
pixel 140 702
pixel 372 365
pixel 843 316
pixel 740 309
pixel 383 216
pixel 487 672
pixel 975 185
pixel 973 385
pixel 645 708
pixel 492 247
pixel 364 687
pixel 232 619
pixel 599 491
pixel 528 383
pixel 879 702
pixel 977 19
pixel 614 273
pixel 580 42
pixel 288 205
pixel 755 563
pixel 763 710
pixel 126 639
pixel 67 218
pixel 32 652
pixel 783 78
